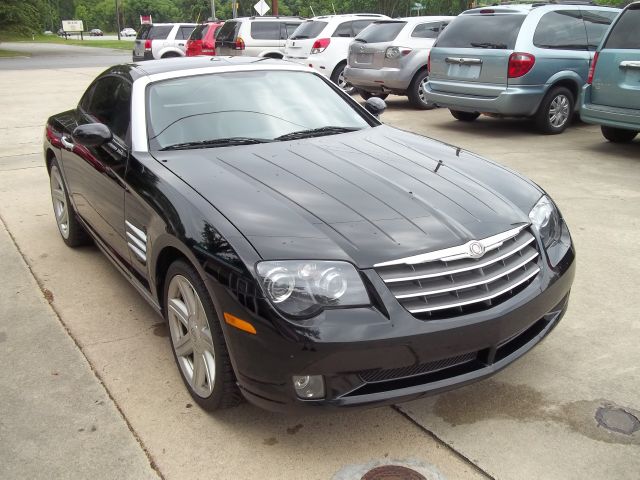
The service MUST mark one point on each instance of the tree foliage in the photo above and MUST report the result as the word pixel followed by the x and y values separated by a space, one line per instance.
pixel 31 16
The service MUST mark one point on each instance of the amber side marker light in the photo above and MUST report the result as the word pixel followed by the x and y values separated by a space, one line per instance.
pixel 239 323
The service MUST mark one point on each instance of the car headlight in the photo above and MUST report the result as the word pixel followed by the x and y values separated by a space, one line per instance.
pixel 545 218
pixel 304 288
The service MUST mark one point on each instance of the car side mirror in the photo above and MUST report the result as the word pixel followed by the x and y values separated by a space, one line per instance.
pixel 375 106
pixel 92 134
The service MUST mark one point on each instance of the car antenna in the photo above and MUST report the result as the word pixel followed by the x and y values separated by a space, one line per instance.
pixel 312 12
pixel 458 149
pixel 440 162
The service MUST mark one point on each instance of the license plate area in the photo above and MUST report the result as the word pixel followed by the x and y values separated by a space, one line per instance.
pixel 364 58
pixel 467 72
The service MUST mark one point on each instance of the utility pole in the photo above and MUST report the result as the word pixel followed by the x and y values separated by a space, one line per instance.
pixel 274 6
pixel 213 10
pixel 118 19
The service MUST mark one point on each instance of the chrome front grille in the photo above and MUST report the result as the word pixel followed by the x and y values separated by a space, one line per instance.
pixel 450 282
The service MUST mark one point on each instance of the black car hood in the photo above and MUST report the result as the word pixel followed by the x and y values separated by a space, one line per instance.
pixel 367 197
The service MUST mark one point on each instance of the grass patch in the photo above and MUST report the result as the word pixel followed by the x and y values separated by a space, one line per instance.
pixel 117 44
pixel 11 53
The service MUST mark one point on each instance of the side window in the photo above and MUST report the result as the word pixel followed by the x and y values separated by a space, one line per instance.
pixel 561 30
pixel 343 30
pixel 426 30
pixel 111 104
pixel 597 23
pixel 265 30
pixel 184 33
pixel 359 25
pixel 625 34
pixel 289 28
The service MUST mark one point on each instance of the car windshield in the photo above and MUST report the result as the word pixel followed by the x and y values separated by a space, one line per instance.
pixel 246 107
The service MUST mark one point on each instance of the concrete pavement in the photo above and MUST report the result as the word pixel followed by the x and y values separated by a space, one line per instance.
pixel 534 420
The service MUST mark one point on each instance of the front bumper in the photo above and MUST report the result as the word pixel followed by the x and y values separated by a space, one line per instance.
pixel 517 101
pixel 615 117
pixel 378 80
pixel 384 355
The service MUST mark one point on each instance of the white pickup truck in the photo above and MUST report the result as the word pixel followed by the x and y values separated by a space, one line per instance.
pixel 161 40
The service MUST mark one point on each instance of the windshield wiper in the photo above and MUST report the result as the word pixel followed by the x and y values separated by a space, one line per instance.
pixel 360 40
pixel 315 132
pixel 218 142
pixel 497 46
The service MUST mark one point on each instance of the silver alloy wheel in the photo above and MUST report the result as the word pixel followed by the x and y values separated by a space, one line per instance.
pixel 344 85
pixel 421 91
pixel 60 207
pixel 559 111
pixel 191 336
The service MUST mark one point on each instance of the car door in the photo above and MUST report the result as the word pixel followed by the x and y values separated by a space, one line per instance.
pixel 95 174
pixel 182 35
pixel 616 79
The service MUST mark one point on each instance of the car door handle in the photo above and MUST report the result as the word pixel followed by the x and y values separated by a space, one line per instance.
pixel 463 61
pixel 66 142
pixel 630 64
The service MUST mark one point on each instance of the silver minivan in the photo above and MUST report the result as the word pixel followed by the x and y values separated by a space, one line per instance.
pixel 517 60
pixel 255 36
pixel 390 56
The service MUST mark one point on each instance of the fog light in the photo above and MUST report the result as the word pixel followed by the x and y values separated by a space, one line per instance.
pixel 309 386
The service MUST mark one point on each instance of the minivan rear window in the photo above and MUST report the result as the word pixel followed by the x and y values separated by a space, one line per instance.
pixel 308 29
pixel 154 32
pixel 228 32
pixel 626 34
pixel 482 31
pixel 379 32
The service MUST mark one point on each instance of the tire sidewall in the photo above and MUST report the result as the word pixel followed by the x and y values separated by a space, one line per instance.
pixel 414 91
pixel 542 117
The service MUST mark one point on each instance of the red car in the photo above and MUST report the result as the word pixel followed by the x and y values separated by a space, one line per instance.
pixel 203 39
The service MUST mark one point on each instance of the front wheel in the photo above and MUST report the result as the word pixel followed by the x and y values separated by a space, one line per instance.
pixel 338 78
pixel 555 112
pixel 464 116
pixel 197 339
pixel 417 91
pixel 71 231
pixel 367 95
pixel 618 135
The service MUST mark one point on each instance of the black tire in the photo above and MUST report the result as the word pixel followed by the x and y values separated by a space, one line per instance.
pixel 225 393
pixel 464 116
pixel 415 92
pixel 335 78
pixel 367 95
pixel 171 55
pixel 618 135
pixel 72 232
pixel 555 98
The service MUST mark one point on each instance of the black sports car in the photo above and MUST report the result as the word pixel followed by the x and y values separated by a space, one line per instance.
pixel 303 253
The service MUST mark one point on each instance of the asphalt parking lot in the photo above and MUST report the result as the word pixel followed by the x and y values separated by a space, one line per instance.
pixel 569 409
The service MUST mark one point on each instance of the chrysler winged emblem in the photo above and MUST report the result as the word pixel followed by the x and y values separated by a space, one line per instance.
pixel 361 48
pixel 476 249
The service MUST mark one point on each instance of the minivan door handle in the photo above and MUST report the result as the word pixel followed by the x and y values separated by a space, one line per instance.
pixel 630 64
pixel 463 61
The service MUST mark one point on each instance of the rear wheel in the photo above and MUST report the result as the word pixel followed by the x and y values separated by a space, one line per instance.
pixel 464 116
pixel 337 77
pixel 71 231
pixel 367 95
pixel 197 340
pixel 555 112
pixel 416 92
pixel 618 135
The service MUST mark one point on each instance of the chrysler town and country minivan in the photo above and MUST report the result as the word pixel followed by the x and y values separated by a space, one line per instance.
pixel 517 60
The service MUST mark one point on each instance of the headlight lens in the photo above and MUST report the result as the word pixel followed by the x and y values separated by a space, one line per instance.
pixel 545 218
pixel 304 288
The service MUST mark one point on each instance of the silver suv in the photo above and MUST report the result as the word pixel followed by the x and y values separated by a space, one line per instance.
pixel 161 40
pixel 256 36
pixel 390 56
pixel 517 60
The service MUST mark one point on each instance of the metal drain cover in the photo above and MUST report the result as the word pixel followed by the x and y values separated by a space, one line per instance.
pixel 617 420
pixel 392 472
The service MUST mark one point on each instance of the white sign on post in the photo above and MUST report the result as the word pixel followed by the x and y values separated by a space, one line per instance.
pixel 261 7
pixel 72 26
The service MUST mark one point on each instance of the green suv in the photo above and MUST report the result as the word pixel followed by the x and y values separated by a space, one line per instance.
pixel 611 97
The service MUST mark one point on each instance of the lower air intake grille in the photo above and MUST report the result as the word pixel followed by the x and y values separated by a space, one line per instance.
pixel 450 283
pixel 379 375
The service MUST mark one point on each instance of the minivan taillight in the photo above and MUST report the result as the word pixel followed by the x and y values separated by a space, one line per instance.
pixel 320 45
pixel 520 64
pixel 239 45
pixel 147 45
pixel 592 69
